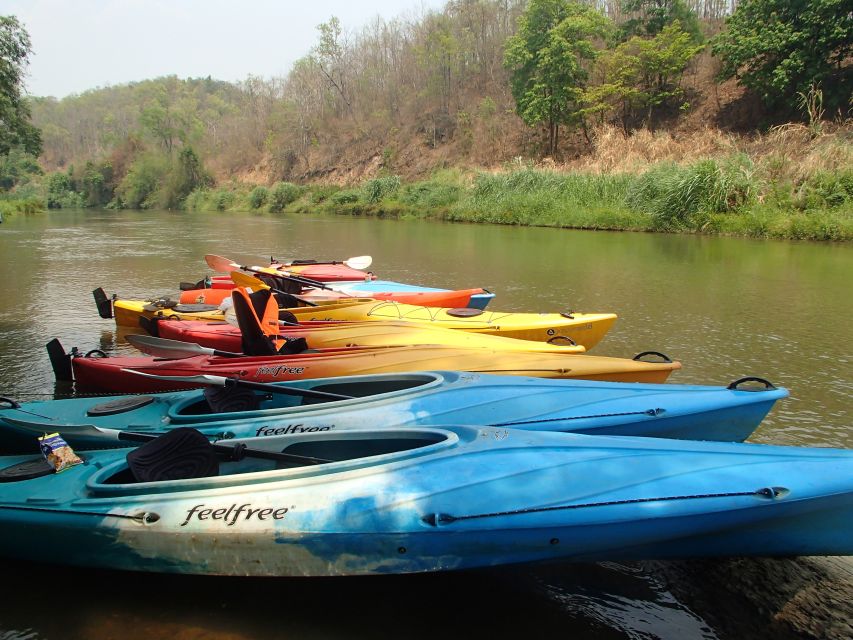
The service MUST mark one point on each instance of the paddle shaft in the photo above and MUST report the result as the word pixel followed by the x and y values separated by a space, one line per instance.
pixel 233 452
pixel 222 381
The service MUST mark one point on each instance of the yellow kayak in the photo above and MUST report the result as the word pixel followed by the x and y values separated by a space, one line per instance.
pixel 585 329
pixel 226 337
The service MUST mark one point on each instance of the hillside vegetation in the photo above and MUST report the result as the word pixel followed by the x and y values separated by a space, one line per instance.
pixel 602 114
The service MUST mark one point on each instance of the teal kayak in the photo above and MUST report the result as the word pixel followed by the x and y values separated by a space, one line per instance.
pixel 390 400
pixel 422 499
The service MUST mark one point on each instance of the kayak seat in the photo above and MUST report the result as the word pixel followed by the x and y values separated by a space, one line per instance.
pixel 179 454
pixel 254 341
pixel 230 399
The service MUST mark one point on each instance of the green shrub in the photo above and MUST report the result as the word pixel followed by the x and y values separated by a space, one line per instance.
pixel 322 193
pixel 258 197
pixel 431 194
pixel 378 188
pixel 222 199
pixel 825 189
pixel 283 193
pixel 684 197
pixel 346 196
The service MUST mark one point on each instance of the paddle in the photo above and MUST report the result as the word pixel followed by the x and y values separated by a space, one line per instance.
pixel 221 381
pixel 357 262
pixel 165 348
pixel 234 452
pixel 218 263
pixel 245 280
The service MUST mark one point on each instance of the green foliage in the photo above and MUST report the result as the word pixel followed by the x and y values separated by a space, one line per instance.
pixel 15 127
pixel 431 194
pixel 222 199
pixel 643 73
pixel 21 205
pixel 96 184
pixel 61 193
pixel 345 196
pixel 282 194
pixel 650 17
pixel 258 197
pixel 781 48
pixel 138 189
pixel 379 188
pixel 826 189
pixel 17 168
pixel 548 58
pixel 682 197
pixel 323 192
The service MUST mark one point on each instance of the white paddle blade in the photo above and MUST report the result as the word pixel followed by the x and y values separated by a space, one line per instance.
pixel 165 348
pixel 39 429
pixel 218 381
pixel 359 262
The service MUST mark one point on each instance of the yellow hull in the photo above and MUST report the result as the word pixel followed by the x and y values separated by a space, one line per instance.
pixel 585 329
pixel 392 334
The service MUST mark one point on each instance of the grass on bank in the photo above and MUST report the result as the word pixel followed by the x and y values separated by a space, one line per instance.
pixel 731 195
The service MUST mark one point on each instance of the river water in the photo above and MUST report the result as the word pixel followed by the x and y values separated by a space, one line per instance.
pixel 725 307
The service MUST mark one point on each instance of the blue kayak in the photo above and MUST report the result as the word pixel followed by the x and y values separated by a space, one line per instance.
pixel 391 400
pixel 422 499
pixel 363 289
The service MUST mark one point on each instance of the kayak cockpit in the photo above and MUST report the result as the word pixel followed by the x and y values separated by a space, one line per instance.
pixel 215 403
pixel 263 460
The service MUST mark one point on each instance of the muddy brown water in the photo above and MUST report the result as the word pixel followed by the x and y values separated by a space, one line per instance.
pixel 725 307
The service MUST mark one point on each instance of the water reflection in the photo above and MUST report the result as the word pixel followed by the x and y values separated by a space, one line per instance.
pixel 725 307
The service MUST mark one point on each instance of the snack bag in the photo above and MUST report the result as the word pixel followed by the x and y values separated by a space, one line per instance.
pixel 57 452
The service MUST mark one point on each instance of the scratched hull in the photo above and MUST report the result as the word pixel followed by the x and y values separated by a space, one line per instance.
pixel 423 398
pixel 468 497
pixel 114 373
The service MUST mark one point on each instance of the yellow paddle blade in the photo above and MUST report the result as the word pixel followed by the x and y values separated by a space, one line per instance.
pixel 245 280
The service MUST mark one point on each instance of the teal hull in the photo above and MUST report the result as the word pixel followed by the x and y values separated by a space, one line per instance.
pixel 438 499
pixel 426 398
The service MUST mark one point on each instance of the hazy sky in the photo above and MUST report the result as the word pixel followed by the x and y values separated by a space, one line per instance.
pixel 84 44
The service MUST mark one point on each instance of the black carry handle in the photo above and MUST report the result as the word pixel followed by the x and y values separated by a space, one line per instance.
pixel 665 357
pixel 767 384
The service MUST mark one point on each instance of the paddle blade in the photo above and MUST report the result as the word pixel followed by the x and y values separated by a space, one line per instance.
pixel 165 348
pixel 245 280
pixel 75 430
pixel 217 381
pixel 218 263
pixel 359 262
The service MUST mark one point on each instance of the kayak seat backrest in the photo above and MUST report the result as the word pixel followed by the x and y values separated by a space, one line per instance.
pixel 230 399
pixel 179 454
pixel 255 342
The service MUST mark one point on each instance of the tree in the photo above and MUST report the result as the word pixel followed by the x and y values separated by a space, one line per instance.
pixel 651 16
pixel 548 58
pixel 780 48
pixel 15 127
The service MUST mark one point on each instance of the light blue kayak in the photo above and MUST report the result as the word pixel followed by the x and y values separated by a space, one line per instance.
pixel 391 400
pixel 363 289
pixel 424 499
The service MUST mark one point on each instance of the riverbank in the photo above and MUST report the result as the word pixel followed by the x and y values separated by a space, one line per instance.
pixel 792 183
pixel 20 205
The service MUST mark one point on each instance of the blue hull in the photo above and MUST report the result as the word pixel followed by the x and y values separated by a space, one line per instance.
pixel 364 288
pixel 463 497
pixel 426 398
